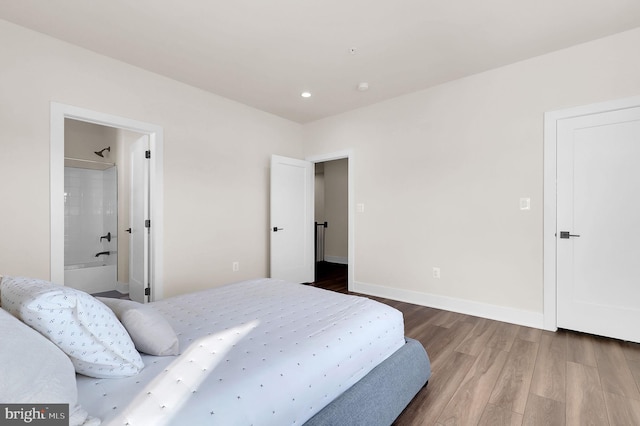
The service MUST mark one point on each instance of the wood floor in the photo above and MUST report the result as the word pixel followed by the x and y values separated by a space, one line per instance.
pixel 492 373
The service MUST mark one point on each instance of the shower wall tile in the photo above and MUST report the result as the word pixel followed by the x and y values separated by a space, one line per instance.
pixel 89 203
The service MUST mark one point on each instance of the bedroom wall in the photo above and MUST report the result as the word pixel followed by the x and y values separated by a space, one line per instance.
pixel 441 171
pixel 216 154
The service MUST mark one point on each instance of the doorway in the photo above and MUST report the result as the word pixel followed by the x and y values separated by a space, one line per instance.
pixel 93 260
pixel 126 128
pixel 591 232
pixel 331 192
pixel 339 165
pixel 292 200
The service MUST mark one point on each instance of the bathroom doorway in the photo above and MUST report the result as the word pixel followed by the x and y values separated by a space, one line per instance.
pixel 90 180
pixel 97 205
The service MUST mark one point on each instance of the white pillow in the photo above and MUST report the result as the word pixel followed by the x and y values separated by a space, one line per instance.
pixel 34 370
pixel 149 330
pixel 83 327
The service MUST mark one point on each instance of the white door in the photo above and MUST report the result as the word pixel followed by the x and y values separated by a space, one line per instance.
pixel 292 219
pixel 598 224
pixel 139 213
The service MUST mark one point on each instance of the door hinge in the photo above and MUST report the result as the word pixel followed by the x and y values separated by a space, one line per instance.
pixel 147 154
pixel 147 291
pixel 147 223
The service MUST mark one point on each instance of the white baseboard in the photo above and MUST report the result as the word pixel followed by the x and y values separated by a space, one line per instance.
pixel 337 259
pixel 468 307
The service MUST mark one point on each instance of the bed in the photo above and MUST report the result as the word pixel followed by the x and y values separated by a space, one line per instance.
pixel 264 352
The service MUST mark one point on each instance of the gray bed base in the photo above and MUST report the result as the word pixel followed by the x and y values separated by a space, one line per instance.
pixel 380 396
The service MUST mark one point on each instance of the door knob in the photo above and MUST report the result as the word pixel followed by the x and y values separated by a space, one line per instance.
pixel 566 234
pixel 276 229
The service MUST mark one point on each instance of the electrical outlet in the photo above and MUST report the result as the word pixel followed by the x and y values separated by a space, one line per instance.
pixel 436 272
pixel 235 266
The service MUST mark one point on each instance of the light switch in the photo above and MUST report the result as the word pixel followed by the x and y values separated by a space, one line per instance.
pixel 525 203
pixel 360 208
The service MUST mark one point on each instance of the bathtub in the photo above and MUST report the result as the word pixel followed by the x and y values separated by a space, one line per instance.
pixel 93 277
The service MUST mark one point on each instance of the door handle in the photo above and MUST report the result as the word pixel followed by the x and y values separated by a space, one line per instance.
pixel 276 229
pixel 128 230
pixel 566 234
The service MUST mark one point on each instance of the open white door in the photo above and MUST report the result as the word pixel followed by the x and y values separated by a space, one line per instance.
pixel 598 231
pixel 139 213
pixel 292 245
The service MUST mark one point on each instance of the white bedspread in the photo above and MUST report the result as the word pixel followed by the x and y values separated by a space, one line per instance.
pixel 260 352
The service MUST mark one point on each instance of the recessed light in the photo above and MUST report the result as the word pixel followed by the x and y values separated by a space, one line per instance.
pixel 305 94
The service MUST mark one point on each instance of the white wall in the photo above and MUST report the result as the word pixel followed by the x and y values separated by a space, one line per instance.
pixel 440 173
pixel 216 159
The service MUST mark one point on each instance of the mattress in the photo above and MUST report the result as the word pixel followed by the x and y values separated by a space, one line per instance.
pixel 259 352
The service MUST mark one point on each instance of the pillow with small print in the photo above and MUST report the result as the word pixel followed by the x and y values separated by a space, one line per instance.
pixel 79 324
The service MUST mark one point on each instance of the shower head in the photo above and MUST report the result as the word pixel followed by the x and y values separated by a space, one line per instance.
pixel 101 152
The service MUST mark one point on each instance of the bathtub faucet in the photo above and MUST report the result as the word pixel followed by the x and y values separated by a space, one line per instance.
pixel 103 252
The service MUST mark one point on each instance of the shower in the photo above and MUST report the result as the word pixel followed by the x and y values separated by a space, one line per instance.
pixel 90 208
pixel 101 152
pixel 91 223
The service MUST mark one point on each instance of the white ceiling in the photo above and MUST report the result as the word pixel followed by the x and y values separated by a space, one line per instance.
pixel 264 53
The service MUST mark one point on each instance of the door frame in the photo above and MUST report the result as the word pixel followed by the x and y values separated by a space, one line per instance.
pixel 339 155
pixel 551 120
pixel 59 112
